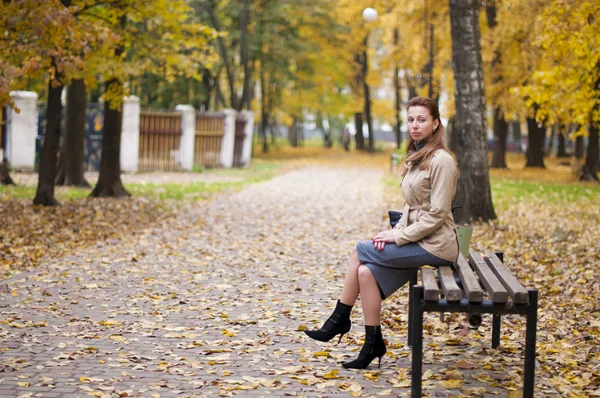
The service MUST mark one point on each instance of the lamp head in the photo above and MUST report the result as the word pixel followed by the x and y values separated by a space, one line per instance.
pixel 369 14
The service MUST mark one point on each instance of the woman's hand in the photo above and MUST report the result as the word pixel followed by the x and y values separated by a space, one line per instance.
pixel 382 238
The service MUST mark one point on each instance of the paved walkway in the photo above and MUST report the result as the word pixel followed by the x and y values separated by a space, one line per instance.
pixel 212 305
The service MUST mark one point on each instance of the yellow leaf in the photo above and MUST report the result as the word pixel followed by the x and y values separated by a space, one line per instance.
pixel 321 354
pixel 331 375
pixel 23 383
pixel 301 328
pixel 454 375
pixel 451 384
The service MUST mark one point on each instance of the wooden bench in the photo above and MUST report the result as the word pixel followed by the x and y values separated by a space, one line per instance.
pixel 479 285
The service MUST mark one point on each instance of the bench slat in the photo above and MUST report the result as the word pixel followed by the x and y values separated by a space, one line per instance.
pixel 469 280
pixel 494 287
pixel 451 290
pixel 430 286
pixel 515 289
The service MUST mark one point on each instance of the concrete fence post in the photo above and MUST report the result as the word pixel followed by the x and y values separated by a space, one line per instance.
pixel 228 138
pixel 130 135
pixel 248 131
pixel 188 136
pixel 22 130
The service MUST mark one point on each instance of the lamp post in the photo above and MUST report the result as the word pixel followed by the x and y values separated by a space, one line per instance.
pixel 369 15
pixel 428 29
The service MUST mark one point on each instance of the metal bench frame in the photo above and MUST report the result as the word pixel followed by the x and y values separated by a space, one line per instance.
pixel 418 306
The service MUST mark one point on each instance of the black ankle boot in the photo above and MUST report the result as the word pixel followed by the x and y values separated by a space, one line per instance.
pixel 338 322
pixel 374 348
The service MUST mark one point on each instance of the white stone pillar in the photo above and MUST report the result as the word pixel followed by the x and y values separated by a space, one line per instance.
pixel 22 130
pixel 248 130
pixel 188 136
pixel 130 134
pixel 228 138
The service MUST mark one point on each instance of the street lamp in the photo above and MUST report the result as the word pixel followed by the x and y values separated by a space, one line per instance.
pixel 369 15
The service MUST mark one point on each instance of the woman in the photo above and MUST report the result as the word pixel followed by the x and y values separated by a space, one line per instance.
pixel 425 235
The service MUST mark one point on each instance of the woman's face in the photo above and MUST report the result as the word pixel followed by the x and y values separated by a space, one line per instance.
pixel 420 123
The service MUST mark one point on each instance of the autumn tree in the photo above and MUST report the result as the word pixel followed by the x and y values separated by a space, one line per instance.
pixel 155 38
pixel 500 125
pixel 566 83
pixel 473 191
pixel 49 48
pixel 513 58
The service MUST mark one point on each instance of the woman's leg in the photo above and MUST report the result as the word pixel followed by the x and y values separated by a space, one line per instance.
pixel 351 286
pixel 339 322
pixel 370 296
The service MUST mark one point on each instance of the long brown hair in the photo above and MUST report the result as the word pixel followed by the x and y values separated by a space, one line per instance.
pixel 435 141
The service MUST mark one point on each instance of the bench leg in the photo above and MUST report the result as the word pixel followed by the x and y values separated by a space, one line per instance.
pixel 411 292
pixel 416 372
pixel 530 340
pixel 496 330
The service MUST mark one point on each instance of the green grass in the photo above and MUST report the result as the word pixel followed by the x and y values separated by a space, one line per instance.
pixel 507 189
pixel 257 172
pixel 28 192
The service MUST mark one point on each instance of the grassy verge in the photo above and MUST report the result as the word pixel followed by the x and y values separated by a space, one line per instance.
pixel 233 179
pixel 220 180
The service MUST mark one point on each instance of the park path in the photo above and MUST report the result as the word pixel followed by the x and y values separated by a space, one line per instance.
pixel 212 303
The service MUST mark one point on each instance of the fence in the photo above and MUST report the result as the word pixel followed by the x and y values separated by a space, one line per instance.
pixel 210 128
pixel 160 135
pixel 150 141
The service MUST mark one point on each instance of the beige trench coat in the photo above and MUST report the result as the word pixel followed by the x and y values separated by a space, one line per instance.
pixel 427 216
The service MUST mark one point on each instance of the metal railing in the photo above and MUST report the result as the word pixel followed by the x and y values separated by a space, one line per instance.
pixel 160 137
pixel 207 143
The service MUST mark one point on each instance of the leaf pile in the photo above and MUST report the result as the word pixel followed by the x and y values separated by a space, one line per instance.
pixel 30 234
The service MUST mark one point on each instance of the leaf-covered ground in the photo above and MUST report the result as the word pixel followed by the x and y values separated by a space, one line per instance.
pixel 211 300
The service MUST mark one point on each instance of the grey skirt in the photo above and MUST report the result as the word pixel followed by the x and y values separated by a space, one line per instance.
pixel 395 265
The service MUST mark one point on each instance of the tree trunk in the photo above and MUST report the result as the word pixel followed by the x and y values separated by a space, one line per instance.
pixel 473 191
pixel 548 147
pixel 109 181
pixel 48 158
pixel 452 136
pixel 244 56
pixel 293 132
pixel 4 168
pixel 517 136
pixel 561 151
pixel 71 167
pixel 367 92
pixel 500 136
pixel 359 136
pixel 579 147
pixel 227 62
pixel 5 175
pixel 47 174
pixel 535 147
pixel 590 169
pixel 397 97
pixel 500 124
pixel 263 106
